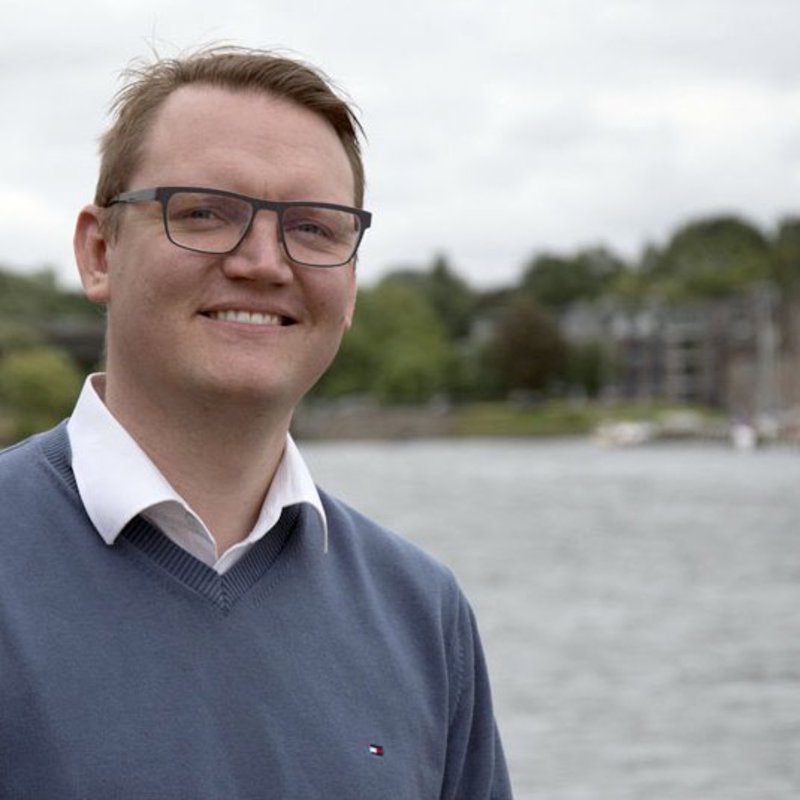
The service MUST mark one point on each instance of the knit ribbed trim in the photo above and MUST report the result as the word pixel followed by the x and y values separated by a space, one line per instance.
pixel 56 449
pixel 222 590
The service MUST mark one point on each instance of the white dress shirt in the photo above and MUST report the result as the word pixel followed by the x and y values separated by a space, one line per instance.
pixel 117 480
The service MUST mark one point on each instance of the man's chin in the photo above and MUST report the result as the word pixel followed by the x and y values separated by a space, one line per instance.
pixel 248 391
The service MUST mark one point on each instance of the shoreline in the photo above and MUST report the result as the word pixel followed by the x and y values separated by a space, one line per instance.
pixel 613 425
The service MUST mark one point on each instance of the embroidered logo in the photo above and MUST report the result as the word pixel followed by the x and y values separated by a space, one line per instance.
pixel 376 750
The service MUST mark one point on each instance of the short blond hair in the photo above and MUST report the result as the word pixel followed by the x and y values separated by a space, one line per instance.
pixel 148 85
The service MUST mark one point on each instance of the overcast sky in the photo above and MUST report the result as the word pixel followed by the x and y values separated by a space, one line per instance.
pixel 495 129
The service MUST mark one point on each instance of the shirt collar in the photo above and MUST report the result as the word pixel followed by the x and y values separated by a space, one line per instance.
pixel 117 480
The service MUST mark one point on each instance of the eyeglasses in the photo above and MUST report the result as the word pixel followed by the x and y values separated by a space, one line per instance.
pixel 216 222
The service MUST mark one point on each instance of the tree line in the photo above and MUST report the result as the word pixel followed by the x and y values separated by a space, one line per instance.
pixel 425 333
pixel 39 377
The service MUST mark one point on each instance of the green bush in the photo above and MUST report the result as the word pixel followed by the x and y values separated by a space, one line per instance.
pixel 38 387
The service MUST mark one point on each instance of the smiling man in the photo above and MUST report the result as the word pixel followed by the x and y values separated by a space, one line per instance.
pixel 182 612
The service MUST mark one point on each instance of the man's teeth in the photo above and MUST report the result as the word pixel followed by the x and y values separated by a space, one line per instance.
pixel 247 317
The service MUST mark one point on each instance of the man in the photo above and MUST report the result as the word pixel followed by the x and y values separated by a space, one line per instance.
pixel 182 613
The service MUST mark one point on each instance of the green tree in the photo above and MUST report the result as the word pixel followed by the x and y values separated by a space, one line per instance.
pixel 786 253
pixel 38 387
pixel 525 350
pixel 451 298
pixel 448 295
pixel 712 257
pixel 397 350
pixel 557 281
pixel 37 296
pixel 17 335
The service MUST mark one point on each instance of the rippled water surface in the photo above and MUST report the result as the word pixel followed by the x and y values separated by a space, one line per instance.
pixel 640 608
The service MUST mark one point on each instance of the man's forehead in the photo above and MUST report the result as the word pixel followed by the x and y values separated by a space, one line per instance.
pixel 221 126
pixel 200 111
pixel 228 107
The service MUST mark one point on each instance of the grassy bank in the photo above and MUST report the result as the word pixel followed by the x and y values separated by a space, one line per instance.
pixel 555 418
pixel 561 418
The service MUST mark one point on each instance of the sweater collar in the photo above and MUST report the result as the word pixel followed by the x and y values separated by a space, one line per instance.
pixel 117 480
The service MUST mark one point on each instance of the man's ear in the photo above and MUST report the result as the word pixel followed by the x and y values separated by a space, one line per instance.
pixel 91 249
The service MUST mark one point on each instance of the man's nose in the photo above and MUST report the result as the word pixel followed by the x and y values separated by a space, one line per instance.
pixel 261 255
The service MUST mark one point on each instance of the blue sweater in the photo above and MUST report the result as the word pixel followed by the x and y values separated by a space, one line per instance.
pixel 135 671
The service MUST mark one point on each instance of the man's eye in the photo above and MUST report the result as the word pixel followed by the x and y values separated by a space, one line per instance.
pixel 202 213
pixel 310 229
pixel 202 216
pixel 187 208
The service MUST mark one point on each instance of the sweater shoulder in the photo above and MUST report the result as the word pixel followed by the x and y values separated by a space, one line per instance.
pixel 383 551
pixel 19 460
pixel 35 472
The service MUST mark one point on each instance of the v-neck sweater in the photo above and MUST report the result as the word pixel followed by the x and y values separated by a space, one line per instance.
pixel 137 671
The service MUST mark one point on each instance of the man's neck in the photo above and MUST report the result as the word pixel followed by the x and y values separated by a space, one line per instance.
pixel 220 459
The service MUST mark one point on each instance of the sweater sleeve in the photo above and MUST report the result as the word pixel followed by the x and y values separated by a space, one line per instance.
pixel 476 767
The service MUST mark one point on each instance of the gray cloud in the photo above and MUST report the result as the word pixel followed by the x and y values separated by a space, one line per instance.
pixel 494 130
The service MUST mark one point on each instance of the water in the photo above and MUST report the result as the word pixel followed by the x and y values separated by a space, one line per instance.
pixel 640 608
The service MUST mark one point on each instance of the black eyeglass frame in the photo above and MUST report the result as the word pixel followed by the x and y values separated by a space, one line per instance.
pixel 162 194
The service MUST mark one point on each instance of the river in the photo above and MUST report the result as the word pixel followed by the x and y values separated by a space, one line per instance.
pixel 640 608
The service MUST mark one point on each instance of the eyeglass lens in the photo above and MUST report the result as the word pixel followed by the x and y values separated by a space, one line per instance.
pixel 215 223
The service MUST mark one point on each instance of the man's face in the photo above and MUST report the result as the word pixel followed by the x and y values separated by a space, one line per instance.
pixel 170 320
